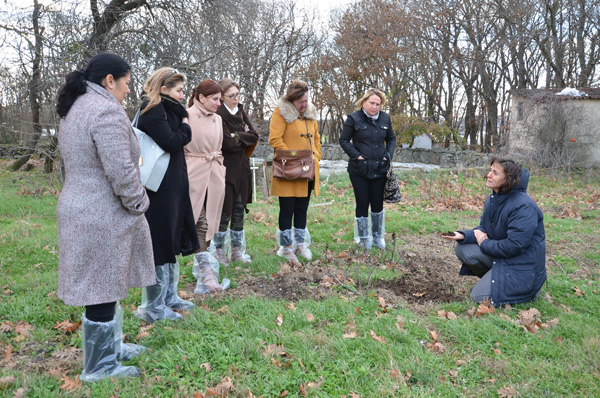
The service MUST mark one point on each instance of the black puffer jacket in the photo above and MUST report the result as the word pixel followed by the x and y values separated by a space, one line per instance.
pixel 373 139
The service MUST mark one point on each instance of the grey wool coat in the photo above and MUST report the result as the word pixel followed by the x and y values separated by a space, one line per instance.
pixel 103 237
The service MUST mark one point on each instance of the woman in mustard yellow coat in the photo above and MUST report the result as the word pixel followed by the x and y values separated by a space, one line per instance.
pixel 294 126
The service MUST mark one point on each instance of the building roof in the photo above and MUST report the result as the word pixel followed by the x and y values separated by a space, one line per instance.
pixel 540 94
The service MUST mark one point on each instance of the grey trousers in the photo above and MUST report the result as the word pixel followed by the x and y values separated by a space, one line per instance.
pixel 480 264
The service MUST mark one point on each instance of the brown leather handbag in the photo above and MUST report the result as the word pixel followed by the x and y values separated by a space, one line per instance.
pixel 291 165
pixel 295 164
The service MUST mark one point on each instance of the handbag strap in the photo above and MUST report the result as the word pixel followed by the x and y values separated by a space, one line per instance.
pixel 134 123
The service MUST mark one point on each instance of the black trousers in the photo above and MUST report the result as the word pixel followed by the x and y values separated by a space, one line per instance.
pixel 104 312
pixel 236 219
pixel 294 208
pixel 368 192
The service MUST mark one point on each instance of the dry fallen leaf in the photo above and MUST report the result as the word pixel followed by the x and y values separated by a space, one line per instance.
pixel 380 339
pixel 436 347
pixel 508 392
pixel 550 323
pixel 484 308
pixel 274 349
pixel 291 306
pixel 20 393
pixel 381 302
pixel 5 381
pixel 284 394
pixel 396 374
pixel 303 390
pixel 497 351
pixel 22 329
pixel 577 291
pixel 316 384
pixel 222 389
pixel 222 310
pixel 350 330
pixel 400 322
pixel 310 317
pixel 358 310
pixel 57 373
pixel 7 353
pixel 258 217
pixel 144 331
pixel 279 319
pixel 433 335
pixel 419 294
pixel 66 326
pixel 185 295
pixel 206 366
pixel 70 384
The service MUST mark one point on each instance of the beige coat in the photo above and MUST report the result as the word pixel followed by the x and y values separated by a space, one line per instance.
pixel 285 132
pixel 206 171
pixel 103 238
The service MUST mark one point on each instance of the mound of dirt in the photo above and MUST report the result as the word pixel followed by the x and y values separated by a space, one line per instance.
pixel 425 275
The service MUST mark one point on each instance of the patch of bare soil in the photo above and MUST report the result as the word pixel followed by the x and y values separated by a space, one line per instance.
pixel 427 272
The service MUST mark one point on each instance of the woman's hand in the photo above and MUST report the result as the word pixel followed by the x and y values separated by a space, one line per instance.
pixel 480 236
pixel 360 157
pixel 185 120
pixel 456 236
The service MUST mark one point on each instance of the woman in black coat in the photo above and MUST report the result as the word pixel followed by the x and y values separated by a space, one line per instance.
pixel 170 215
pixel 239 140
pixel 369 140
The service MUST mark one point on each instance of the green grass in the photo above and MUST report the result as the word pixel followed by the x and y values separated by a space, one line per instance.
pixel 233 335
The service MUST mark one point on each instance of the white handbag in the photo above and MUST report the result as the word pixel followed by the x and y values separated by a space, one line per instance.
pixel 154 161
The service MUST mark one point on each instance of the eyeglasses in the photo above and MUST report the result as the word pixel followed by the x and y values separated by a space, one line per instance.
pixel 168 76
pixel 233 96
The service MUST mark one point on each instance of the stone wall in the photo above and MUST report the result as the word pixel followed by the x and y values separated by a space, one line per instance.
pixel 443 157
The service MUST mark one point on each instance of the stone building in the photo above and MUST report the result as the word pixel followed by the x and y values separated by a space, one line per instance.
pixel 556 127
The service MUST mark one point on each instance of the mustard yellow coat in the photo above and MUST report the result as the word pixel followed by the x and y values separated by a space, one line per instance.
pixel 284 133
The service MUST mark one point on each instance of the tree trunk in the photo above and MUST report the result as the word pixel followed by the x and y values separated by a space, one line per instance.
pixel 34 91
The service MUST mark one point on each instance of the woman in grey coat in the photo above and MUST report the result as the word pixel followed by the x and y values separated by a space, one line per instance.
pixel 103 237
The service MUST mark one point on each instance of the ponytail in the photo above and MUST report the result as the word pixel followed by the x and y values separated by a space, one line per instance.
pixel 74 87
pixel 97 69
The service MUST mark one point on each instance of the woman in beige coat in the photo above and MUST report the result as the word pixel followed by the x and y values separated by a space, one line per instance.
pixel 294 126
pixel 206 172
pixel 103 237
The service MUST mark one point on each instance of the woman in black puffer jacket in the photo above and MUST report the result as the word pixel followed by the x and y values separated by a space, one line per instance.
pixel 369 140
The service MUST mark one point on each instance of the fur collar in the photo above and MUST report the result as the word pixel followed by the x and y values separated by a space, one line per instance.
pixel 290 113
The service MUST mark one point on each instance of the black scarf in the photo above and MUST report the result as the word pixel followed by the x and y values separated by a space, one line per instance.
pixel 173 106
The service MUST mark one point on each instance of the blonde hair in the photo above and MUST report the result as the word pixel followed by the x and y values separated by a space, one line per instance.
pixel 168 77
pixel 368 93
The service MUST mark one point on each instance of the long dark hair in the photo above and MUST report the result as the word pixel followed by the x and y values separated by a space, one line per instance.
pixel 96 70
pixel 512 173
pixel 206 87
